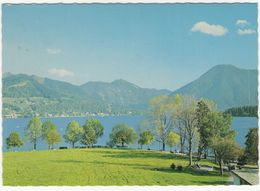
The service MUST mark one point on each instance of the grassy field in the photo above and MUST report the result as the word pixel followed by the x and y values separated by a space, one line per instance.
pixel 101 167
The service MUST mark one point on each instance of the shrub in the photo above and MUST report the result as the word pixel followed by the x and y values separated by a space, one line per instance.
pixel 179 168
pixel 173 166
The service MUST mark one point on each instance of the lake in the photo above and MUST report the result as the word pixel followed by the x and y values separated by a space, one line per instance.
pixel 240 124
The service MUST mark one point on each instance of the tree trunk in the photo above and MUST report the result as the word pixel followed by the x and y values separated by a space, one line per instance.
pixel 122 144
pixel 73 145
pixel 199 153
pixel 205 153
pixel 49 147
pixel 141 146
pixel 190 152
pixel 220 167
pixel 34 145
pixel 182 147
pixel 215 156
pixel 163 146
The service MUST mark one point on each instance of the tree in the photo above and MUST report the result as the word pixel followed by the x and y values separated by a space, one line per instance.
pixel 221 137
pixel 172 139
pixel 33 130
pixel 13 140
pixel 122 134
pixel 96 125
pixel 225 149
pixel 251 150
pixel 182 132
pixel 46 128
pixel 185 114
pixel 89 135
pixel 217 124
pixel 201 112
pixel 161 109
pixel 53 137
pixel 145 138
pixel 73 133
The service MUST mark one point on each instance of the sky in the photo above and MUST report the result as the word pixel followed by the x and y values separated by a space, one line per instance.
pixel 163 46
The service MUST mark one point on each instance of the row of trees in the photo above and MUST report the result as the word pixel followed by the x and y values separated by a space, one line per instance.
pixel 88 134
pixel 245 111
pixel 200 127
pixel 35 130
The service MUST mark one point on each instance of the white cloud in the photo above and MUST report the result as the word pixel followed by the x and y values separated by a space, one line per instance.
pixel 210 29
pixel 246 31
pixel 242 22
pixel 53 50
pixel 60 72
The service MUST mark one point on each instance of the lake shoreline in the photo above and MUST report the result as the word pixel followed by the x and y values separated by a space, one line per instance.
pixel 240 124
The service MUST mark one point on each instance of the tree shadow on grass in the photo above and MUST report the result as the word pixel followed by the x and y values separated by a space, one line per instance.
pixel 148 154
pixel 120 164
pixel 66 161
pixel 189 171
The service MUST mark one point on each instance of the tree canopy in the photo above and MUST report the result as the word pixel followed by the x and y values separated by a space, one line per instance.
pixel 172 139
pixel 251 150
pixel 73 133
pixel 161 109
pixel 145 138
pixel 47 127
pixel 53 137
pixel 13 140
pixel 96 125
pixel 34 130
pixel 122 134
pixel 89 135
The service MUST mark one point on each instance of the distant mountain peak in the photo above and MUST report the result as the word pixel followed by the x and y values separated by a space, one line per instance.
pixel 227 85
pixel 124 82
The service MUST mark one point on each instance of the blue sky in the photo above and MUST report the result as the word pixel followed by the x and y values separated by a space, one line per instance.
pixel 151 45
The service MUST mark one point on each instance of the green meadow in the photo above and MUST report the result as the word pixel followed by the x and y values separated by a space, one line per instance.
pixel 102 167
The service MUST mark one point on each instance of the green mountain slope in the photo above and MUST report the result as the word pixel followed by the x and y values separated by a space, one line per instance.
pixel 25 95
pixel 227 85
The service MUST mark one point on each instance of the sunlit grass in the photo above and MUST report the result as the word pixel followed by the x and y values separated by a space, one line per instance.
pixel 101 167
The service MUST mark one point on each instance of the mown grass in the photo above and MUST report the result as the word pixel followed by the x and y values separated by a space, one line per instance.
pixel 101 167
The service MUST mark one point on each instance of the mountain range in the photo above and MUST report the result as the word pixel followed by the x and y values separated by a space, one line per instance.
pixel 27 95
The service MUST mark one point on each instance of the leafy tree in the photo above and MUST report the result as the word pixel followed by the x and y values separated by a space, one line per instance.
pixel 185 114
pixel 33 130
pixel 225 149
pixel 251 150
pixel 221 137
pixel 73 133
pixel 46 128
pixel 172 139
pixel 13 140
pixel 161 109
pixel 53 137
pixel 122 134
pixel 201 112
pixel 89 135
pixel 145 138
pixel 96 126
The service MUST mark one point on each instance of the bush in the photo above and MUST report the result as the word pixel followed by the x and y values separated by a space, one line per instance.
pixel 173 166
pixel 179 168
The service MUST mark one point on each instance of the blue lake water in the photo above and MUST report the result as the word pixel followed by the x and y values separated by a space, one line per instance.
pixel 240 124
